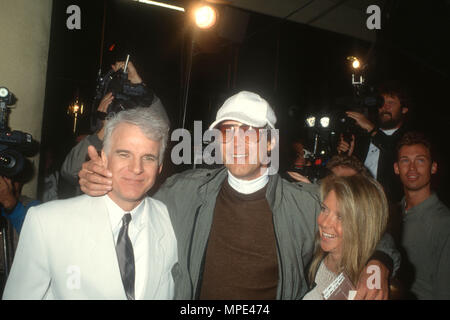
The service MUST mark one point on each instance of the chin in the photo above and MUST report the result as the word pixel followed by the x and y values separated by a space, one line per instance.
pixel 133 194
pixel 325 248
pixel 244 172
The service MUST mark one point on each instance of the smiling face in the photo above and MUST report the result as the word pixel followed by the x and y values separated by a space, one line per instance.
pixel 133 162
pixel 330 226
pixel 391 114
pixel 415 167
pixel 241 154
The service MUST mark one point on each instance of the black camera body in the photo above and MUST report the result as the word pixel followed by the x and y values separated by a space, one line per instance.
pixel 14 145
pixel 323 136
pixel 365 100
pixel 126 95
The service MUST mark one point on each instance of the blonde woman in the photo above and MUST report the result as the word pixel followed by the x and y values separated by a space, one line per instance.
pixel 352 220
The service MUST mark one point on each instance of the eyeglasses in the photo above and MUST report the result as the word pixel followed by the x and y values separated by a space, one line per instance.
pixel 228 131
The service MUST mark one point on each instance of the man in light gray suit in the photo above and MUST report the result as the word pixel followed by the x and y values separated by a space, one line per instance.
pixel 118 246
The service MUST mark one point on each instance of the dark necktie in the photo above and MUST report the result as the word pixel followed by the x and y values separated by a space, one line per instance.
pixel 125 257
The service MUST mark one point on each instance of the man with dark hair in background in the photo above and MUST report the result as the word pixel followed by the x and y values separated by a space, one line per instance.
pixel 377 147
pixel 425 228
pixel 14 207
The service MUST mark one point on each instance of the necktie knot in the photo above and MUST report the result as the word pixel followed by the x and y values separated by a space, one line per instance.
pixel 126 219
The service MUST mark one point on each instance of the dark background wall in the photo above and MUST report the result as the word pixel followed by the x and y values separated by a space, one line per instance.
pixel 296 67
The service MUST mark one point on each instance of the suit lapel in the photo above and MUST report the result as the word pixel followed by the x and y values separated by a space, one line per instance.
pixel 101 253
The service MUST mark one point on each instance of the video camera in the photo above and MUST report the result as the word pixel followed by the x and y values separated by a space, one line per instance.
pixel 14 145
pixel 365 100
pixel 126 94
pixel 325 127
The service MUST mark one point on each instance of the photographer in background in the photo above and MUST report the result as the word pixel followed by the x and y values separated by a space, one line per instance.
pixel 13 204
pixel 77 156
pixel 377 148
pixel 13 207
pixel 8 240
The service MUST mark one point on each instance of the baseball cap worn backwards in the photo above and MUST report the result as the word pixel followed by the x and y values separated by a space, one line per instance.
pixel 247 108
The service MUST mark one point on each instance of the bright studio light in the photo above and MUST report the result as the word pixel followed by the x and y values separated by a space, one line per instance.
pixel 356 64
pixel 311 121
pixel 325 122
pixel 205 17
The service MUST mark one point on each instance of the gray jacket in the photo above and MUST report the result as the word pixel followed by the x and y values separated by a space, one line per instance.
pixel 190 198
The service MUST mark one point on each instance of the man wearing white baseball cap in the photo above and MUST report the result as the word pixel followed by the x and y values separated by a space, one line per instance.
pixel 242 233
pixel 246 107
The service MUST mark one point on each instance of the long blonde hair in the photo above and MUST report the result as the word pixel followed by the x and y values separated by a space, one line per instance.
pixel 363 207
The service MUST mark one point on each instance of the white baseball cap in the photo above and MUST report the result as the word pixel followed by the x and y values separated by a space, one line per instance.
pixel 247 108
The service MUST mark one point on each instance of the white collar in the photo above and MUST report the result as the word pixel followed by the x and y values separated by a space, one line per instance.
pixel 389 132
pixel 116 213
pixel 248 186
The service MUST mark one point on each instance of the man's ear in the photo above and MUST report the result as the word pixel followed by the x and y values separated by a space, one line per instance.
pixel 104 159
pixel 397 172
pixel 160 168
pixel 433 167
pixel 404 110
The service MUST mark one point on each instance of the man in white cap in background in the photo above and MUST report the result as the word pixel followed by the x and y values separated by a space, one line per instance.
pixel 243 232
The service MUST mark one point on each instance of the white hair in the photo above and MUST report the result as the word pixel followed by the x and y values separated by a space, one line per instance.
pixel 149 120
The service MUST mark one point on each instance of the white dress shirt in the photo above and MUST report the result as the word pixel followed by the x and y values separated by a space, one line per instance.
pixel 373 155
pixel 139 239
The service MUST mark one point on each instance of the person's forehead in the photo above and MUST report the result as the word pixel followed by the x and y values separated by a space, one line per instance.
pixel 232 122
pixel 391 97
pixel 414 150
pixel 124 129
pixel 125 133
pixel 330 198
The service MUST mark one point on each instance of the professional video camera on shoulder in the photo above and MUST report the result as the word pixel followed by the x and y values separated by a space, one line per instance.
pixel 365 100
pixel 325 127
pixel 14 145
pixel 317 148
pixel 127 95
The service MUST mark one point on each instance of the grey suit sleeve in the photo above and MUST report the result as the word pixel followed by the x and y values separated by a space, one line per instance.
pixel 29 278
